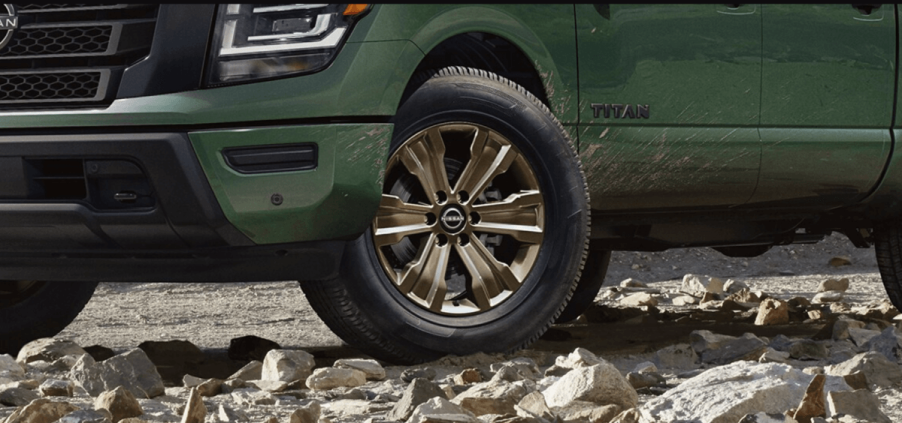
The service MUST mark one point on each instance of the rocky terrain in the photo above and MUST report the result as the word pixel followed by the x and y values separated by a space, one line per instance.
pixel 800 334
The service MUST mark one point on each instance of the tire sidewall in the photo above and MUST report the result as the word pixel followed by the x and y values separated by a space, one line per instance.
pixel 540 139
pixel 44 313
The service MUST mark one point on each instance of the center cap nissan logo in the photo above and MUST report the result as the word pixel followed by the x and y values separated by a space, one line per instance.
pixel 452 219
pixel 8 23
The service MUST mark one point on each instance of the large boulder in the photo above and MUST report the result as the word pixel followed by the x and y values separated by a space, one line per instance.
pixel 250 371
pixel 48 349
pixel 10 367
pixel 131 370
pixel 772 311
pixel 861 404
pixel 697 286
pixel 330 377
pixel 876 368
pixel 17 397
pixel 440 409
pixel 493 397
pixel 120 403
pixel 41 411
pixel 721 349
pixel 287 365
pixel 726 394
pixel 601 384
pixel 418 391
pixel 371 368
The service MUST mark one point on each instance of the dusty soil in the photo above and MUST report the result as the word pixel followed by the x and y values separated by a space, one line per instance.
pixel 122 315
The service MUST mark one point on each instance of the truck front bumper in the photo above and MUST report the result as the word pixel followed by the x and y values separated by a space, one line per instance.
pixel 168 206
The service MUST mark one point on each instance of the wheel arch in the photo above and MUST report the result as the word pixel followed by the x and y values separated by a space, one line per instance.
pixel 540 36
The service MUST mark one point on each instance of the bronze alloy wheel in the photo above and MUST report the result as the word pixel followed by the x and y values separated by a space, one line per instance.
pixel 461 219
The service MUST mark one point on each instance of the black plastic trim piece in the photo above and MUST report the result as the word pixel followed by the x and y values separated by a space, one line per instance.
pixel 309 261
pixel 177 55
pixel 186 214
pixel 272 158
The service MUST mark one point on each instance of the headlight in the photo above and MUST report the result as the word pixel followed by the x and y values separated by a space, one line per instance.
pixel 254 41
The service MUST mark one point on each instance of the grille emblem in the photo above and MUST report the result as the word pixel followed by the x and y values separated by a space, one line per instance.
pixel 8 23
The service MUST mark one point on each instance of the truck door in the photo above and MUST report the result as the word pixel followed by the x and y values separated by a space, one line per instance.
pixel 669 104
pixel 827 102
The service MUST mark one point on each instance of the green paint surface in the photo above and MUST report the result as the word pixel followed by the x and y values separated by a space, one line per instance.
pixel 630 167
pixel 692 64
pixel 338 199
pixel 827 65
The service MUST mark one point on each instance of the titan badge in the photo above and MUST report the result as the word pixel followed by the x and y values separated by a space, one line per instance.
pixel 620 111
pixel 8 22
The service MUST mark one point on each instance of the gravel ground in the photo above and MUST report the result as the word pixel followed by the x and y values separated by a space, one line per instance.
pixel 122 315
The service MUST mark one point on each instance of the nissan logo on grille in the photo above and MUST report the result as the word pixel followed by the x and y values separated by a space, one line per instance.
pixel 8 23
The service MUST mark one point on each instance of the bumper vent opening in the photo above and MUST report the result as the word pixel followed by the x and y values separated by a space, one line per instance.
pixel 56 179
pixel 273 158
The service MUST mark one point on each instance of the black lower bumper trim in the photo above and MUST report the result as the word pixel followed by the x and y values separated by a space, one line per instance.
pixel 309 261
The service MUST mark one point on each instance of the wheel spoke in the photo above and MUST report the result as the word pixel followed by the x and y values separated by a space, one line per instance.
pixel 424 277
pixel 488 159
pixel 489 276
pixel 397 219
pixel 517 216
pixel 424 158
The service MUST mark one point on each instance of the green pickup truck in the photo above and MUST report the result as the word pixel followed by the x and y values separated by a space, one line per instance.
pixel 440 178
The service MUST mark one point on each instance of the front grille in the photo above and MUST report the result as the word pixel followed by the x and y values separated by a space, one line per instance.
pixel 71 55
pixel 51 86
pixel 55 41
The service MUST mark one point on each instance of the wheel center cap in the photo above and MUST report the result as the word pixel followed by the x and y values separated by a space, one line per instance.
pixel 453 219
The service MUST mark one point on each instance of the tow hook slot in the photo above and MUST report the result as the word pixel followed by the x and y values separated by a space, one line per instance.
pixel 125 197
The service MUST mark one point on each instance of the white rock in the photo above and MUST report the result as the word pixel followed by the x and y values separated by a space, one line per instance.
pixel 441 407
pixel 827 297
pixel 580 357
pixel 189 381
pixel 226 414
pixel 697 285
pixel 287 365
pixel 48 349
pixel 602 384
pixel 725 394
pixel 632 283
pixel 132 370
pixel 9 364
pixel 841 285
pixel 684 300
pixel 309 413
pixel 678 356
pixel 493 397
pixel 731 286
pixel 250 371
pixel 861 404
pixel 862 336
pixel 645 367
pixel 330 377
pixel 771 355
pixel 250 397
pixel 371 368
pixel 876 368
pixel 268 385
pixel 639 299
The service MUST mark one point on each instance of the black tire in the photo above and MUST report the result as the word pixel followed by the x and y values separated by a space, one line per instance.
pixel 36 310
pixel 589 283
pixel 888 247
pixel 366 309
